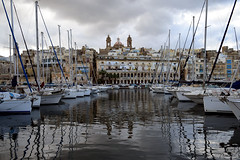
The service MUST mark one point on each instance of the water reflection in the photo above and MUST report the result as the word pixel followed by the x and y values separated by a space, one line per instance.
pixel 120 124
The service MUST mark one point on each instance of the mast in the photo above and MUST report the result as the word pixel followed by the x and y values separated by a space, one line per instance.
pixel 37 43
pixel 168 64
pixel 15 57
pixel 47 71
pixel 236 71
pixel 10 52
pixel 69 59
pixel 224 35
pixel 60 50
pixel 71 56
pixel 205 48
pixel 13 44
pixel 193 56
pixel 17 49
pixel 75 64
pixel 42 58
pixel 179 56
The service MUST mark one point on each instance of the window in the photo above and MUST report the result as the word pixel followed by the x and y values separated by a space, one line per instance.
pixel 229 61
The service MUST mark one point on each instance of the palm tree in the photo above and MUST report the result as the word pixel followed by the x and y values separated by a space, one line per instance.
pixel 110 76
pixel 102 73
pixel 115 76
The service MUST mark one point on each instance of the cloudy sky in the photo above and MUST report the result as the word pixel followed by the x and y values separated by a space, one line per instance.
pixel 147 21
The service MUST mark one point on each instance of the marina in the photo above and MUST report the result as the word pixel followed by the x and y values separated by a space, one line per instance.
pixel 64 99
pixel 120 124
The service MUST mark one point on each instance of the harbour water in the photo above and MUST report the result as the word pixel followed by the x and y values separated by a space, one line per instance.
pixel 120 124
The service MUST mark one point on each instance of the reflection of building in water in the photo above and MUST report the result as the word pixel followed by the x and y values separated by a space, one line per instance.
pixel 123 108
pixel 147 118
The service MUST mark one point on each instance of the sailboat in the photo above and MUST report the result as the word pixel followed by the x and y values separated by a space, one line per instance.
pixel 216 104
pixel 48 96
pixel 234 104
pixel 234 100
pixel 12 102
pixel 209 96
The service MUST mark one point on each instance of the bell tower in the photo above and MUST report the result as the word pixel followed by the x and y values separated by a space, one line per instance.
pixel 129 42
pixel 108 42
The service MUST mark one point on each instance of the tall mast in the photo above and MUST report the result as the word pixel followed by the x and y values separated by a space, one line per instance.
pixel 168 64
pixel 42 58
pixel 193 56
pixel 47 71
pixel 10 54
pixel 37 43
pixel 71 56
pixel 14 53
pixel 14 45
pixel 60 50
pixel 236 71
pixel 205 48
pixel 69 59
pixel 75 64
pixel 179 70
pixel 220 47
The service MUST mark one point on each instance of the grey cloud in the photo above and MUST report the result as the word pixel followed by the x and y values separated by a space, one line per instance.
pixel 93 20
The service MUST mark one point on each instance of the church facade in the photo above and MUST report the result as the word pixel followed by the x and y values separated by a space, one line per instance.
pixel 119 64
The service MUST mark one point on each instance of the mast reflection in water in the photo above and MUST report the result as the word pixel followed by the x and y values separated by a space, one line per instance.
pixel 120 124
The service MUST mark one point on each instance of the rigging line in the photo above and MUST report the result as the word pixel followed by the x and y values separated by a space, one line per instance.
pixel 224 35
pixel 85 69
pixel 172 59
pixel 16 45
pixel 25 43
pixel 52 44
pixel 158 64
pixel 45 41
pixel 29 26
pixel 84 66
pixel 181 53
pixel 238 62
pixel 160 74
pixel 193 38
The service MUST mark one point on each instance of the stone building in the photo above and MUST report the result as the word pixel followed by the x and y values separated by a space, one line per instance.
pixel 127 65
pixel 77 65
pixel 5 74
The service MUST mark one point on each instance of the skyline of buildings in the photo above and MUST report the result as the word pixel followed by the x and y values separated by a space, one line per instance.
pixel 124 64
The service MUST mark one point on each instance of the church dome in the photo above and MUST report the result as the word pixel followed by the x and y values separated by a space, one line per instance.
pixel 118 44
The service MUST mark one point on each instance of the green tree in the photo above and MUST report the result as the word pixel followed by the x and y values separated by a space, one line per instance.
pixel 110 76
pixel 102 74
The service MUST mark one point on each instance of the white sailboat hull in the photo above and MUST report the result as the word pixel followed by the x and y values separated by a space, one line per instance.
pixel 16 106
pixel 181 97
pixel 212 104
pixel 103 89
pixel 195 98
pixel 51 99
pixel 234 104
pixel 87 92
pixel 36 101
pixel 70 94
pixel 80 93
